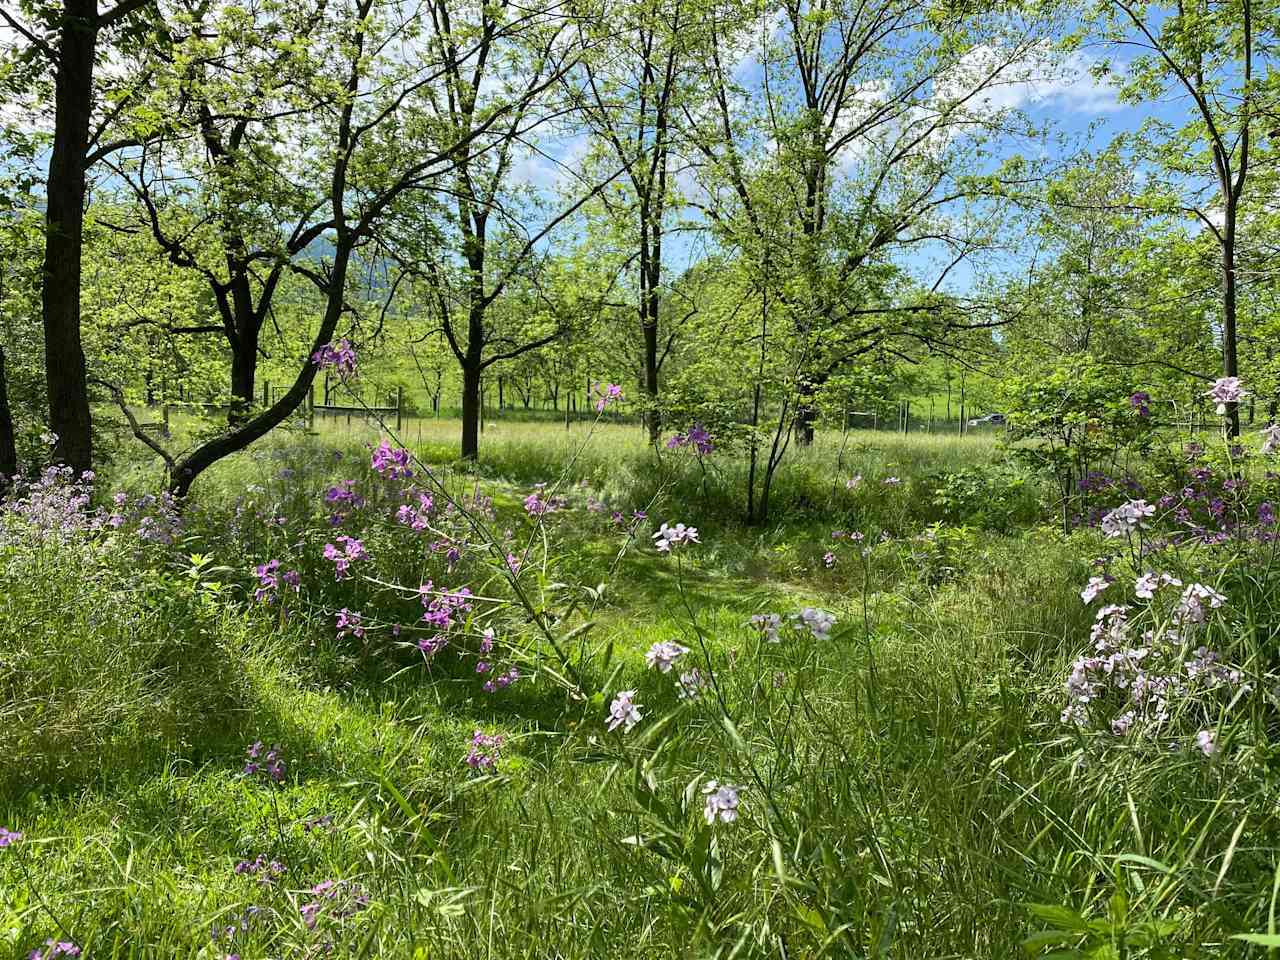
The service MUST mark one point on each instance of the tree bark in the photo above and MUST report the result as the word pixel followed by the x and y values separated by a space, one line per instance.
pixel 470 411
pixel 8 447
pixel 69 415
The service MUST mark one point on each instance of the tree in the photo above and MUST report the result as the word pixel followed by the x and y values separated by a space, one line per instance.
pixel 1211 55
pixel 72 57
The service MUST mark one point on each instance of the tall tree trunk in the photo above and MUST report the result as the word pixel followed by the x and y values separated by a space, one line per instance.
pixel 470 410
pixel 69 416
pixel 8 448
pixel 1230 363
pixel 244 371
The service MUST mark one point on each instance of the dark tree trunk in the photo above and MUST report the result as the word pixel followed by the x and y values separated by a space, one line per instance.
pixel 470 411
pixel 69 416
pixel 1230 363
pixel 244 371
pixel 8 448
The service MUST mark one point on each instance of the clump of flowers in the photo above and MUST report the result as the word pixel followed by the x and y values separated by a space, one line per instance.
pixel 679 535
pixel 338 898
pixel 818 622
pixel 624 711
pixel 343 499
pixel 722 801
pixel 1226 390
pixel 1127 518
pixel 501 681
pixel 606 394
pixel 391 462
pixel 485 751
pixel 9 838
pixel 1141 679
pixel 264 764
pixel 339 356
pixel 537 504
pixel 696 437
pixel 351 550
pixel 691 684
pixel 270 578
pixel 1270 439
pixel 416 517
pixel 663 655
pixel 55 948
pixel 350 622
pixel 262 869
pixel 769 624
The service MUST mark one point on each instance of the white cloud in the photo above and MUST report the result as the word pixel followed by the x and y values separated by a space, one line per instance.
pixel 1033 81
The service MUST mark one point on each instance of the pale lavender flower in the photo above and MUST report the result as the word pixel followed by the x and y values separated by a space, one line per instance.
pixel 691 684
pixel 624 711
pixel 607 394
pixel 1094 587
pixel 828 559
pixel 853 481
pixel 769 624
pixel 9 837
pixel 339 355
pixel 722 801
pixel 1271 439
pixel 1226 390
pixel 55 948
pixel 1127 517
pixel 891 481
pixel 663 655
pixel 1191 606
pixel 1207 741
pixel 486 749
pixel 668 536
pixel 818 621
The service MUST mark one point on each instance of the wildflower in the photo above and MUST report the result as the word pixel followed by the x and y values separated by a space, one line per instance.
pixel 1207 741
pixel 891 481
pixel 8 837
pixel 1145 587
pixel 502 681
pixel 340 356
pixel 1094 587
pixel 1123 723
pixel 1126 518
pixel 664 654
pixel 722 802
pixel 349 622
pixel 624 711
pixel 607 394
pixel 1226 390
pixel 828 559
pixel 668 536
pixel 768 624
pixel 485 751
pixel 1271 439
pixel 322 822
pixel 1266 513
pixel 818 621
pixel 486 641
pixel 1191 606
pixel 1139 401
pixel 352 549
pixel 392 463
pixel 268 765
pixel 265 870
pixel 853 481
pixel 691 684
pixel 60 948
pixel 697 436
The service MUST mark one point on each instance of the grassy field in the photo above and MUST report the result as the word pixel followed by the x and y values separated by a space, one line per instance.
pixel 903 781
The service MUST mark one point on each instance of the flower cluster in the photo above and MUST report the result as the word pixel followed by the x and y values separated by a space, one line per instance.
pixel 270 578
pixel 352 550
pixel 1270 439
pixel 697 437
pixel 349 622
pixel 55 948
pixel 691 684
pixel 262 869
pixel 338 898
pixel 339 356
pixel 416 517
pixel 54 507
pixel 343 499
pixel 1127 517
pixel 722 802
pixel 624 711
pixel 663 655
pixel 9 837
pixel 537 504
pixel 1140 401
pixel 1135 679
pixel 485 751
pixel 1226 390
pixel 267 765
pixel 391 462
pixel 606 394
pixel 153 519
pixel 668 536
pixel 816 621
